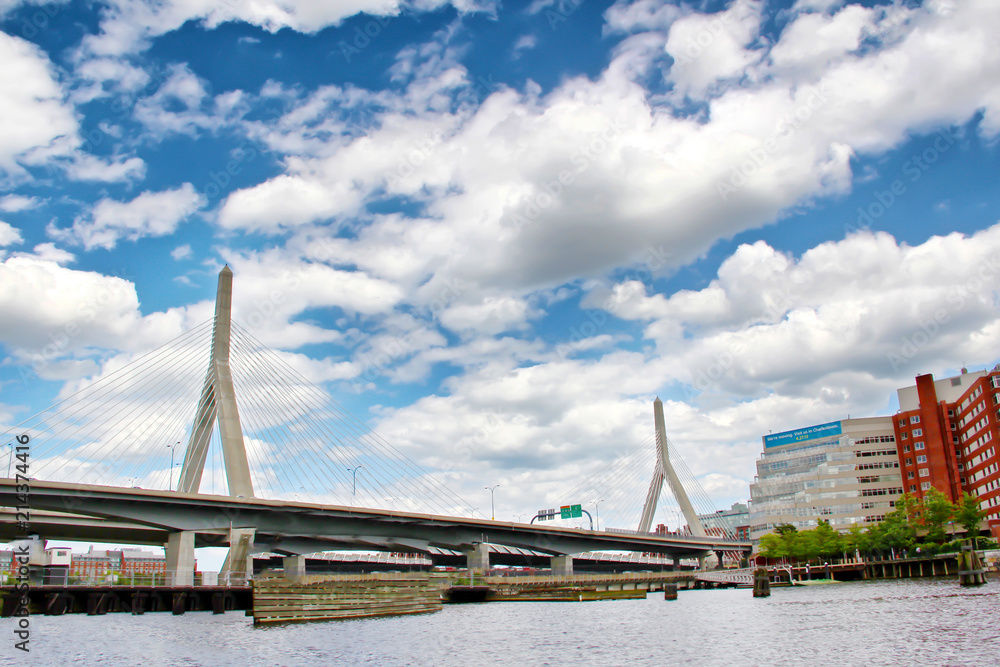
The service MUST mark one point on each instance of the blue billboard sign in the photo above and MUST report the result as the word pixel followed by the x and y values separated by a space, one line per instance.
pixel 799 435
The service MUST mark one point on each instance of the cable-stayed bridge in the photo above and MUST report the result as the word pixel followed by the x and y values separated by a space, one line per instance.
pixel 103 454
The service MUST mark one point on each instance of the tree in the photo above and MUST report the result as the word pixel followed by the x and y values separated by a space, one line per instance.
pixel 937 511
pixel 897 530
pixel 857 538
pixel 772 546
pixel 829 542
pixel 969 515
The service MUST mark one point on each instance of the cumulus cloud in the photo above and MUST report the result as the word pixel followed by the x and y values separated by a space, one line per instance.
pixel 127 26
pixel 52 313
pixel 33 113
pixel 149 214
pixel 15 203
pixel 526 191
pixel 9 235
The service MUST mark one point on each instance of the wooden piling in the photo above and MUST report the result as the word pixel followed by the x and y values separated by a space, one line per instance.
pixel 670 591
pixel 970 568
pixel 761 583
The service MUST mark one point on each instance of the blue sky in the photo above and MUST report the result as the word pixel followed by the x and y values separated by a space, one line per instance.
pixel 534 217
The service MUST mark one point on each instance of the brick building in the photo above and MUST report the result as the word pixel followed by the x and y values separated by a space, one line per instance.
pixel 946 436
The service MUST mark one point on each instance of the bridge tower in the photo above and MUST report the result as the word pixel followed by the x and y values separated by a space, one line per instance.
pixel 664 470
pixel 218 403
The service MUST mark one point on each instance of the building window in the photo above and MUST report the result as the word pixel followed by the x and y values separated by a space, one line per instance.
pixel 902 423
pixel 924 472
pixel 922 458
pixel 918 431
pixel 913 487
pixel 918 445
pixel 915 419
pixel 951 413
pixel 904 435
pixel 909 475
pixel 909 462
pixel 925 486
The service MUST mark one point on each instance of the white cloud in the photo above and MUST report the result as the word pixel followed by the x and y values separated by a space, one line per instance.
pixel 33 114
pixel 711 48
pixel 15 203
pixel 181 252
pixel 128 25
pixel 149 214
pixel 9 235
pixel 48 252
pixel 864 307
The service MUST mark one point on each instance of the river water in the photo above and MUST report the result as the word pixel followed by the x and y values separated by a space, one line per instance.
pixel 898 622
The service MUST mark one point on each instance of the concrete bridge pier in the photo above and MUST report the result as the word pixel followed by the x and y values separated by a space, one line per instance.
pixel 562 566
pixel 180 558
pixel 677 563
pixel 719 555
pixel 294 566
pixel 478 558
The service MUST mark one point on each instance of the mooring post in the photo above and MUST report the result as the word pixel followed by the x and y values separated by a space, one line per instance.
pixel 670 591
pixel 761 583
pixel 970 568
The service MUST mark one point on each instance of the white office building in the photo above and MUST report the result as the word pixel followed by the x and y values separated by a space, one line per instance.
pixel 843 472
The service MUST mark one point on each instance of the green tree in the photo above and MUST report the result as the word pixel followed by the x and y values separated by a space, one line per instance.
pixel 857 539
pixel 937 510
pixel 897 530
pixel 829 542
pixel 772 546
pixel 969 515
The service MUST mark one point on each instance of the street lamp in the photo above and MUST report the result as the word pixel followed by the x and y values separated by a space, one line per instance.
pixel 10 457
pixel 518 517
pixel 597 510
pixel 354 478
pixel 492 511
pixel 172 447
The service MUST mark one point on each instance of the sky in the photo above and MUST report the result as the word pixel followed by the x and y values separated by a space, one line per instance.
pixel 495 231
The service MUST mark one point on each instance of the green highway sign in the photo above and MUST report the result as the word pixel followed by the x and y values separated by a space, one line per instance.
pixel 570 511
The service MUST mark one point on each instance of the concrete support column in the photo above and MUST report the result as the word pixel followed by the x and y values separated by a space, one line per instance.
pixel 478 557
pixel 180 558
pixel 719 555
pixel 294 566
pixel 562 566
pixel 677 563
pixel 239 561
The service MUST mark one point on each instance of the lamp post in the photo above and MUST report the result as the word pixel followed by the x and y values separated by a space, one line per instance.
pixel 518 517
pixel 10 457
pixel 172 448
pixel 354 479
pixel 493 512
pixel 597 510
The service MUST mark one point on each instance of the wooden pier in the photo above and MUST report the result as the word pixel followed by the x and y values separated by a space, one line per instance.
pixel 56 600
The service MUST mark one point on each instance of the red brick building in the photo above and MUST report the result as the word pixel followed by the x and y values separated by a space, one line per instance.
pixel 946 436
